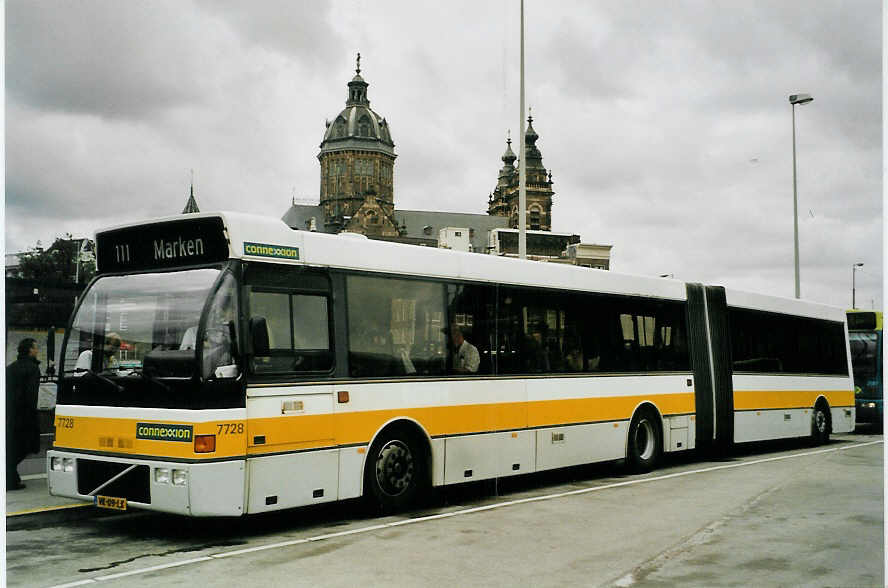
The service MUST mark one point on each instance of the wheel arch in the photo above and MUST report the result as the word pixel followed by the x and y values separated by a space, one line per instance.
pixel 821 400
pixel 400 422
pixel 644 405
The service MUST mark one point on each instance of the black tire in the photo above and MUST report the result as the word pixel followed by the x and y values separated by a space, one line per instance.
pixel 645 443
pixel 396 471
pixel 821 424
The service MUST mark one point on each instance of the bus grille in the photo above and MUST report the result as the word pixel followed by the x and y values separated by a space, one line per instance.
pixel 133 485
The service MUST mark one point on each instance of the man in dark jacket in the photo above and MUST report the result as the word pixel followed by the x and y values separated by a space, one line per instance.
pixel 22 427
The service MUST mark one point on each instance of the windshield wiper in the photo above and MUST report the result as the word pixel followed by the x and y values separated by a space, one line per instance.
pixel 100 377
pixel 152 379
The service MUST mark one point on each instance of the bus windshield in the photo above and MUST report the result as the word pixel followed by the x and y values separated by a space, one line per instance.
pixel 123 319
pixel 864 361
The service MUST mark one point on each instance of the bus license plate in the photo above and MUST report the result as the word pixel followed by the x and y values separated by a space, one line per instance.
pixel 111 502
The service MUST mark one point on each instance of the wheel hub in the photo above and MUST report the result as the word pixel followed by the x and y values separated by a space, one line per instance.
pixel 644 439
pixel 820 421
pixel 394 468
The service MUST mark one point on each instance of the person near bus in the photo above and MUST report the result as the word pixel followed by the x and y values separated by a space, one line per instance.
pixel 22 426
pixel 109 359
pixel 466 359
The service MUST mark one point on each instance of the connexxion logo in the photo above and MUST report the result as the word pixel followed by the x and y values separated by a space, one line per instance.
pixel 161 432
pixel 265 250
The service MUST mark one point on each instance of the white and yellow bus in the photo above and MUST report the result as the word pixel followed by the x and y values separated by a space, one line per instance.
pixel 224 364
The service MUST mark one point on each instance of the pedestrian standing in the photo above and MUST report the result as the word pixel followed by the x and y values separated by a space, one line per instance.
pixel 22 427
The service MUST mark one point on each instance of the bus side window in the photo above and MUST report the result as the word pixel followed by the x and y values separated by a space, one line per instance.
pixel 311 333
pixel 395 327
pixel 298 332
pixel 472 310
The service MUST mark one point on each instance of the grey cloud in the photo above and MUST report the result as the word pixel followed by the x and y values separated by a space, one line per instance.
pixel 82 57
pixel 300 30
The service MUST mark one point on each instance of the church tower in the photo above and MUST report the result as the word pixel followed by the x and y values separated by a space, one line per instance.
pixel 503 200
pixel 357 168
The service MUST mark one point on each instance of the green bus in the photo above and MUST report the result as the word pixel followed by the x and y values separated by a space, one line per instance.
pixel 865 338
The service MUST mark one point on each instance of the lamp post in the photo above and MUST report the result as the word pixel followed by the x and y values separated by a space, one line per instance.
pixel 853 285
pixel 522 164
pixel 796 99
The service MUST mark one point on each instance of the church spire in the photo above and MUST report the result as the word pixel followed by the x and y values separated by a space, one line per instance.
pixel 532 156
pixel 505 197
pixel 357 88
pixel 191 205
pixel 509 156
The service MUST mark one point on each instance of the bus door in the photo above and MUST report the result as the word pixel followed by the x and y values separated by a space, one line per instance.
pixel 289 317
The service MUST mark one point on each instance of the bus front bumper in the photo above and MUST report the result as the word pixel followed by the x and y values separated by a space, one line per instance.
pixel 196 489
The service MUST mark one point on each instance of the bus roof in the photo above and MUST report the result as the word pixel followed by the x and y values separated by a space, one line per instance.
pixel 267 239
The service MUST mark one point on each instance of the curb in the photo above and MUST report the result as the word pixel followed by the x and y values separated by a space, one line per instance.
pixel 50 515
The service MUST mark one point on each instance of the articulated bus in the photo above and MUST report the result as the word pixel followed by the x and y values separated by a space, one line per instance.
pixel 224 364
pixel 865 333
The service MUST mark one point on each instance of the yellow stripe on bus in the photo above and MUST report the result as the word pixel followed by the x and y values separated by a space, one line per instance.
pixel 111 435
pixel 290 433
pixel 771 399
pixel 301 432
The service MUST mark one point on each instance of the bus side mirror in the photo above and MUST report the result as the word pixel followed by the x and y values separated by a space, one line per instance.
pixel 259 336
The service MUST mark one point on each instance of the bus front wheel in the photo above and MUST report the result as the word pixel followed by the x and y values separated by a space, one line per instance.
pixel 395 471
pixel 645 441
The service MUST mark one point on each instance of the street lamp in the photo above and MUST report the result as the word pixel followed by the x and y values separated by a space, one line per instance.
pixel 853 289
pixel 796 99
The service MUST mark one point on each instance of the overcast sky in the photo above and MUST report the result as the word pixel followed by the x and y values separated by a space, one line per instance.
pixel 666 124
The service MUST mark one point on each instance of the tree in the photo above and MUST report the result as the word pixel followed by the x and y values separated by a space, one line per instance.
pixel 58 264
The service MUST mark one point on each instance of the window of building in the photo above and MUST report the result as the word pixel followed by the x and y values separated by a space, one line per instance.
pixel 364 127
pixel 535 219
pixel 339 128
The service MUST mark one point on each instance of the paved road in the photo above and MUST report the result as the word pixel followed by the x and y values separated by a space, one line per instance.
pixel 769 515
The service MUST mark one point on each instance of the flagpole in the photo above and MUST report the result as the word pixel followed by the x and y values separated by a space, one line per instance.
pixel 522 172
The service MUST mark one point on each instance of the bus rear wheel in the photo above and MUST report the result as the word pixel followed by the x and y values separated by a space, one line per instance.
pixel 645 441
pixel 396 471
pixel 820 424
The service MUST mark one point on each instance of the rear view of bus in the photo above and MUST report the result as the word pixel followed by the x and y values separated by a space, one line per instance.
pixel 865 337
pixel 151 408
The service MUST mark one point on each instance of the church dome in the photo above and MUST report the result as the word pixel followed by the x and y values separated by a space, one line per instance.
pixel 357 126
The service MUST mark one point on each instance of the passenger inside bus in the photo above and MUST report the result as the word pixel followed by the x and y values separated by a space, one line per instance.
pixel 465 355
pixel 109 361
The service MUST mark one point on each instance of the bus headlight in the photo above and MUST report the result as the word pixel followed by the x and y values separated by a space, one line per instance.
pixel 55 464
pixel 68 464
pixel 162 476
pixel 180 477
pixel 871 405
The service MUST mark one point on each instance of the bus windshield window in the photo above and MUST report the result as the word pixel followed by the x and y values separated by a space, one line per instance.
pixel 864 360
pixel 124 318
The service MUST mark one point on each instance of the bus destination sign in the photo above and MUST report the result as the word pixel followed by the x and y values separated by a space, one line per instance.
pixel 162 245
